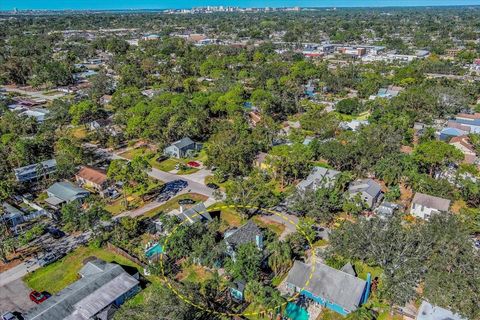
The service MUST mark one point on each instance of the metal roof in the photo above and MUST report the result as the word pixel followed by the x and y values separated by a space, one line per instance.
pixel 319 177
pixel 330 284
pixel 428 311
pixel 185 142
pixel 87 296
pixel 66 191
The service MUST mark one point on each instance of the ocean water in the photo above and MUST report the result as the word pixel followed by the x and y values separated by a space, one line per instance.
pixel 179 4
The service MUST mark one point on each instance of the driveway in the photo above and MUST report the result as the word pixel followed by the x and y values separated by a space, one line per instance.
pixel 289 227
pixel 48 244
pixel 14 297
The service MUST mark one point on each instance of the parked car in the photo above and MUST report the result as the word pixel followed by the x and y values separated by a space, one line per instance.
pixel 162 158
pixel 186 201
pixel 9 316
pixel 193 164
pixel 38 297
pixel 49 258
pixel 55 232
pixel 212 185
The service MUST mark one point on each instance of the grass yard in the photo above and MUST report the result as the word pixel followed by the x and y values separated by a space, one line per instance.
pixel 228 217
pixel 195 274
pixel 60 274
pixel 276 227
pixel 173 203
pixel 166 165
pixel 132 153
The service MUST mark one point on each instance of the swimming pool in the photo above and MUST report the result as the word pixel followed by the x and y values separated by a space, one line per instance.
pixel 295 312
pixel 154 250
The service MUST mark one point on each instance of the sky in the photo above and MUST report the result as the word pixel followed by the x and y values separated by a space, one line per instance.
pixel 168 4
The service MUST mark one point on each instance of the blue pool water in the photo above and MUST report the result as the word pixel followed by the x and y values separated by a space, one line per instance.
pixel 156 249
pixel 295 312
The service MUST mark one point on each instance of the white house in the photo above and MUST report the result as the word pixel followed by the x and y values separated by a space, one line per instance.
pixel 424 205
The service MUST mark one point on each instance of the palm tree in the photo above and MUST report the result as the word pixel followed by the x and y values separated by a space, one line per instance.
pixel 280 258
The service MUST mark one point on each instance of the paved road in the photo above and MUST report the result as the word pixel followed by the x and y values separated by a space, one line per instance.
pixel 289 227
pixel 34 94
pixel 66 244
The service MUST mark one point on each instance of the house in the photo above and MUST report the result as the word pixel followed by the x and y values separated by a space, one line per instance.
pixel 337 290
pixel 260 162
pixel 101 289
pixel 254 118
pixel 463 144
pixel 369 191
pixel 35 171
pixel 13 216
pixel 182 148
pixel 39 114
pixel 237 290
pixel 247 233
pixel 65 192
pixel 386 209
pixel 319 178
pixel 424 205
pixel 428 311
pixel 93 178
pixel 388 93
pixel 197 213
pixel 353 125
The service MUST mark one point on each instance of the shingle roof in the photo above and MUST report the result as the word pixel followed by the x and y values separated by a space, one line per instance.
pixel 87 296
pixel 365 185
pixel 185 142
pixel 431 201
pixel 328 283
pixel 196 213
pixel 94 175
pixel 245 234
pixel 319 177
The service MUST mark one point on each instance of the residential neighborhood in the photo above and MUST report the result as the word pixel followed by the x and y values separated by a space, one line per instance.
pixel 237 162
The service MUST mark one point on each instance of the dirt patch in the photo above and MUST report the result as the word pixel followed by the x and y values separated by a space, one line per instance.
pixel 7 266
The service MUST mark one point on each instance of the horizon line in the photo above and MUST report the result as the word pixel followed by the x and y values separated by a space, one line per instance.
pixel 240 7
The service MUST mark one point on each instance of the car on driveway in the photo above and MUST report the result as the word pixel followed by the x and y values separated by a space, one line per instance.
pixel 212 186
pixel 55 232
pixel 193 164
pixel 186 201
pixel 49 258
pixel 38 297
pixel 9 316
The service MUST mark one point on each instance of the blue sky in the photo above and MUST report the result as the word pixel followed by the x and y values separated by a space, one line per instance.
pixel 162 4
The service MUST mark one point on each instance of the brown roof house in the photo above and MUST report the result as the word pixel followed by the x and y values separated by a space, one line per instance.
pixel 92 178
pixel 463 144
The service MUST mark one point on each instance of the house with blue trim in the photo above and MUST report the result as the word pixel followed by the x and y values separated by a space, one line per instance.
pixel 338 290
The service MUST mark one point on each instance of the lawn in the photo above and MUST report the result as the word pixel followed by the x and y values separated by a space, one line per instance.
pixel 132 153
pixel 166 165
pixel 60 274
pixel 228 216
pixel 173 203
pixel 195 274
pixel 276 227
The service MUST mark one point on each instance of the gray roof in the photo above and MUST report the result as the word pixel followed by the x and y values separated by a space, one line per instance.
pixel 328 283
pixel 101 285
pixel 365 185
pixel 319 177
pixel 348 268
pixel 185 142
pixel 431 312
pixel 196 213
pixel 245 234
pixel 431 202
pixel 47 164
pixel 66 191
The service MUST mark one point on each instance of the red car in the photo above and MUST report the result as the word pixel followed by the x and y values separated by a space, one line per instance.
pixel 38 297
pixel 193 164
